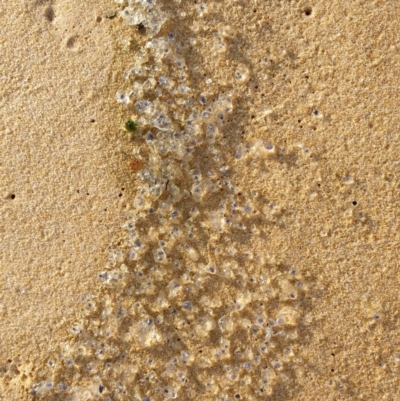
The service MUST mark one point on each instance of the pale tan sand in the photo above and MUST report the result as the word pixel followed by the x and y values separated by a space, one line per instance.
pixel 335 186
pixel 60 157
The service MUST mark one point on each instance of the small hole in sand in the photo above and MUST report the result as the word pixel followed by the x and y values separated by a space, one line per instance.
pixel 71 42
pixel 49 14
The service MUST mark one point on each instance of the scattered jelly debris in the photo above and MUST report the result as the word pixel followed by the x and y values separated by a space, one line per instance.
pixel 190 303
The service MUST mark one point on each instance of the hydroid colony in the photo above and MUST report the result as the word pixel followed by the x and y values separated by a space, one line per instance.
pixel 191 306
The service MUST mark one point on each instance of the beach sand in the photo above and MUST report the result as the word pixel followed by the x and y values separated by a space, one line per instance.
pixel 307 151
pixel 63 173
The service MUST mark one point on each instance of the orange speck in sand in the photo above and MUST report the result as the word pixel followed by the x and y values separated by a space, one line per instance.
pixel 135 164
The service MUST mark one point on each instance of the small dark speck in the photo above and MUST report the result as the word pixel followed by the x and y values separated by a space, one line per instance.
pixel 71 42
pixel 354 203
pixel 12 196
pixel 101 389
pixel 49 14
pixel 315 112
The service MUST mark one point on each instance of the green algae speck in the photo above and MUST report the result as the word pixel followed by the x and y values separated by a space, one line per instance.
pixel 130 126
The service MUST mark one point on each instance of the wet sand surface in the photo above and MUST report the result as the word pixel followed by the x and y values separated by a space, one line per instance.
pixel 261 184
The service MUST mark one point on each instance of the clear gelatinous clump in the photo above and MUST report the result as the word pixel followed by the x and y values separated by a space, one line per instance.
pixel 242 74
pixel 190 304
pixel 144 12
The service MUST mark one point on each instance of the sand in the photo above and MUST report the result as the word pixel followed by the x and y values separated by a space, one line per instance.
pixel 62 185
pixel 317 82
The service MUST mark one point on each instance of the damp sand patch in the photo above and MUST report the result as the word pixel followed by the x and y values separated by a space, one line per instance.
pixel 191 304
pixel 259 247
